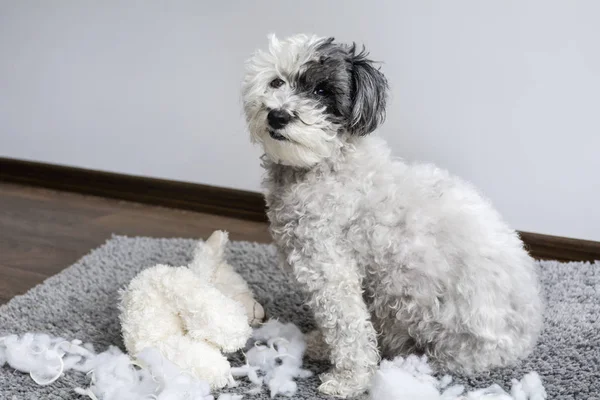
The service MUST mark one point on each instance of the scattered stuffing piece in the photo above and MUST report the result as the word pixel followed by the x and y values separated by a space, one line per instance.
pixel 411 378
pixel 277 353
pixel 530 387
pixel 229 396
pixel 114 375
pixel 399 380
pixel 43 357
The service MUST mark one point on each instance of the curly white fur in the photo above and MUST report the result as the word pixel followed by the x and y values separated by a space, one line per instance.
pixel 396 258
pixel 190 314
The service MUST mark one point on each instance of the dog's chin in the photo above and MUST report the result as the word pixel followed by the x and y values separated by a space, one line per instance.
pixel 277 136
pixel 281 150
pixel 287 153
pixel 296 146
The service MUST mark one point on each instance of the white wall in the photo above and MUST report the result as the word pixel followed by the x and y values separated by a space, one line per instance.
pixel 505 93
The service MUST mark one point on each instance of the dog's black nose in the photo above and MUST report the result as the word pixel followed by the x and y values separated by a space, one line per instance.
pixel 278 118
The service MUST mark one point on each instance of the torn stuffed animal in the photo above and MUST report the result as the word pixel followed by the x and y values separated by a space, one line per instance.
pixel 191 314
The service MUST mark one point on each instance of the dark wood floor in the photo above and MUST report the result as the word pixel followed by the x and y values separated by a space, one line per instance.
pixel 44 231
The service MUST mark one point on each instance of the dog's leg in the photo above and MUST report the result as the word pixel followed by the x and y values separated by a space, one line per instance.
pixel 342 316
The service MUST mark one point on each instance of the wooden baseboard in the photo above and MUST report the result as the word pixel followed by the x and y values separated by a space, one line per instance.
pixel 548 247
pixel 216 200
pixel 161 192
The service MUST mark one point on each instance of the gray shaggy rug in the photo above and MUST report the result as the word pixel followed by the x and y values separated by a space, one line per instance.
pixel 81 302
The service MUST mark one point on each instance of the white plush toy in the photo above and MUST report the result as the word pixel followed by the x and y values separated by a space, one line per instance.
pixel 191 313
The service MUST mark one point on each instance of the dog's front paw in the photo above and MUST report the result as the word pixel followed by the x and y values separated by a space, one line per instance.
pixel 344 383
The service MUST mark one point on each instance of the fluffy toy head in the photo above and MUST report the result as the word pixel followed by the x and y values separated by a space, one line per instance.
pixel 305 95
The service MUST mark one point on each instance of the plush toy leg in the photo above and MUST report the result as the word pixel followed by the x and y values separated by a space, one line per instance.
pixel 235 287
pixel 209 315
pixel 198 358
pixel 145 314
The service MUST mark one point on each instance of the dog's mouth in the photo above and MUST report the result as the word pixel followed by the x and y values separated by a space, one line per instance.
pixel 276 135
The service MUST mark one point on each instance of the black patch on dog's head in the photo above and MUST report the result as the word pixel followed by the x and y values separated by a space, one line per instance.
pixel 347 84
pixel 369 94
pixel 327 80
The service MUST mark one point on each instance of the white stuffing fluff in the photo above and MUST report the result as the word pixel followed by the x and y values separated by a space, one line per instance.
pixel 411 378
pixel 277 353
pixel 43 357
pixel 151 376
pixel 229 396
pixel 114 375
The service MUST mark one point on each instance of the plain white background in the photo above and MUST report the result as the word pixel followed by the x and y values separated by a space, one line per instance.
pixel 505 94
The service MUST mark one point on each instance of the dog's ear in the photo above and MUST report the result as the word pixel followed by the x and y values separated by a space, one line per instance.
pixel 368 94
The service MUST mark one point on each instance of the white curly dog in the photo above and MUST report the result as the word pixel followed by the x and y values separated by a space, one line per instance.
pixel 395 258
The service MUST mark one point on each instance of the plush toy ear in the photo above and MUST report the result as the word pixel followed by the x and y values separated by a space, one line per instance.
pixel 208 255
pixel 216 243
pixel 368 95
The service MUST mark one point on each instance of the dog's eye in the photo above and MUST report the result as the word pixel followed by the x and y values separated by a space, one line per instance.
pixel 275 83
pixel 321 90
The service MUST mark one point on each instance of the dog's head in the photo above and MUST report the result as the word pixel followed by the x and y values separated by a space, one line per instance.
pixel 305 93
